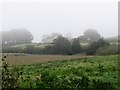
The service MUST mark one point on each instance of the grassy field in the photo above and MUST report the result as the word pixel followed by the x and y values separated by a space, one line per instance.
pixel 99 72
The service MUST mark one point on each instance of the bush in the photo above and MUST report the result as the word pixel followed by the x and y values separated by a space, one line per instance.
pixel 61 45
pixel 109 50
pixel 31 49
pixel 95 46
pixel 10 76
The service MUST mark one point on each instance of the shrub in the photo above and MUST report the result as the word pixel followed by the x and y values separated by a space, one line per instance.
pixel 109 50
pixel 10 76
pixel 61 45
pixel 95 46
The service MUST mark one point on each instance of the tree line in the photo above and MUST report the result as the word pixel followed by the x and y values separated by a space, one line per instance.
pixel 23 36
pixel 58 44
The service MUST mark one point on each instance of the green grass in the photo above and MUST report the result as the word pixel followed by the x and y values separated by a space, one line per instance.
pixel 96 72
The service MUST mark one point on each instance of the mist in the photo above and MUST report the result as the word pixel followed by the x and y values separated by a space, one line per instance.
pixel 73 17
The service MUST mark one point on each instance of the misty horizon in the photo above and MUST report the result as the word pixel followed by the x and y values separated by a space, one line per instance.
pixel 67 35
pixel 49 17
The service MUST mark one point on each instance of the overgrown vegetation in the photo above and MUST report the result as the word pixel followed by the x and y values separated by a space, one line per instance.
pixel 85 73
pixel 95 46
pixel 109 50
pixel 10 76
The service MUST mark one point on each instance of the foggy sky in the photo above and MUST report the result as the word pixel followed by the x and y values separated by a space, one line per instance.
pixel 63 17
